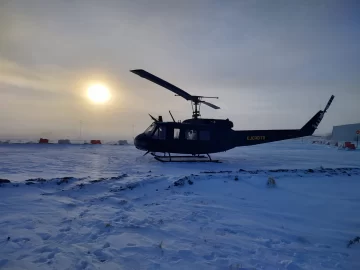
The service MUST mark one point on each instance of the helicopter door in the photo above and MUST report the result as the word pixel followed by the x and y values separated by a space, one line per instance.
pixel 204 135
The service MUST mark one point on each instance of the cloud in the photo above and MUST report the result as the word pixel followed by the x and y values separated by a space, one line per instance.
pixel 13 74
pixel 273 64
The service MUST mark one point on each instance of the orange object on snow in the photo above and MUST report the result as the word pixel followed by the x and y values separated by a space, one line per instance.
pixel 43 140
pixel 351 146
pixel 347 144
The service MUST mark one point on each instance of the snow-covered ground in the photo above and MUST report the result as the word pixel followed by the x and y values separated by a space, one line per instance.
pixel 107 207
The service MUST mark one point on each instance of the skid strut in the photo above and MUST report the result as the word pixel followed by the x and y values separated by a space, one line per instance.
pixel 184 158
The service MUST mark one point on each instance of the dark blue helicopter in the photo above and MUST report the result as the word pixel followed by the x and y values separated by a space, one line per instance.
pixel 198 137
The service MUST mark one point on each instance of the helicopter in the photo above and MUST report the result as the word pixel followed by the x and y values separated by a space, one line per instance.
pixel 196 138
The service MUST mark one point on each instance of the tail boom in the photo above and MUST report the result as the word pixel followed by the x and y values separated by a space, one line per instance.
pixel 253 137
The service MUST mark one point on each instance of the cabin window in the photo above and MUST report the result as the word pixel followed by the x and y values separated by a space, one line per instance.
pixel 191 135
pixel 204 135
pixel 176 133
pixel 160 133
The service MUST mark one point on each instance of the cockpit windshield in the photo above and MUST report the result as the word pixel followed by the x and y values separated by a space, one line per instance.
pixel 150 130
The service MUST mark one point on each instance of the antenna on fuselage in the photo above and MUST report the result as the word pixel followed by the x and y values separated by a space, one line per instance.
pixel 172 116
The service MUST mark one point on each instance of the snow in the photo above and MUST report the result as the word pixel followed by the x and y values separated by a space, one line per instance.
pixel 108 207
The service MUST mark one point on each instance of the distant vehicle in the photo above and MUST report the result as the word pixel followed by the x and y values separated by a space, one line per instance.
pixel 197 137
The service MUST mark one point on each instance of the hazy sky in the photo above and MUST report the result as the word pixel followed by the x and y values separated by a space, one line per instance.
pixel 272 63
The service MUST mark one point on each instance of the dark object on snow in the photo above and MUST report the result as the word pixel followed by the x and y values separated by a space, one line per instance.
pixel 190 182
pixel 42 140
pixel 38 180
pixel 8 239
pixel 355 240
pixel 217 172
pixel 34 181
pixel 271 182
pixel 98 180
pixel 119 177
pixel 4 181
pixel 197 137
pixel 95 142
pixel 64 180
pixel 179 182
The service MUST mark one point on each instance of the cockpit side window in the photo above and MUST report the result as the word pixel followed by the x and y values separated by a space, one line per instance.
pixel 150 130
pixel 160 133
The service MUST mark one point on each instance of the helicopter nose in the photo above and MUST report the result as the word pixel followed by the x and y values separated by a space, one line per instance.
pixel 140 142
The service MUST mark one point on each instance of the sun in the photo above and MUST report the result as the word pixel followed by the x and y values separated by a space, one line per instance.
pixel 98 93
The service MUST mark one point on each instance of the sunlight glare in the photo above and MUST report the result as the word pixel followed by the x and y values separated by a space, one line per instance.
pixel 98 93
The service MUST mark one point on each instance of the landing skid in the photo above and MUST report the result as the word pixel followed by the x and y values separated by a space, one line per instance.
pixel 189 158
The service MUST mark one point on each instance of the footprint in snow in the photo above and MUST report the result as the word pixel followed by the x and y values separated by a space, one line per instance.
pixel 65 229
pixel 224 231
pixel 302 240
pixel 284 242
pixel 81 265
pixel 51 255
pixel 45 249
pixel 94 236
pixel 3 262
pixel 21 240
pixel 322 246
pixel 210 257
pixel 101 255
pixel 185 253
pixel 175 259
pixel 40 260
pixel 82 214
pixel 44 236
pixel 23 256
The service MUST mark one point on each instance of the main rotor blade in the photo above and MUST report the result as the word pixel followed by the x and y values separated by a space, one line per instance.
pixel 161 82
pixel 210 105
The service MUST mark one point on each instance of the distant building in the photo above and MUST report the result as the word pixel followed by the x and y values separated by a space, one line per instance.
pixel 346 132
